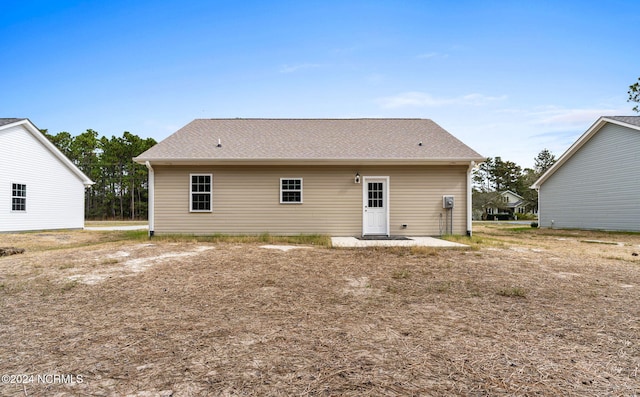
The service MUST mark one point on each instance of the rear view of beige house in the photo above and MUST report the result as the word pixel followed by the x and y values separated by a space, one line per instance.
pixel 343 177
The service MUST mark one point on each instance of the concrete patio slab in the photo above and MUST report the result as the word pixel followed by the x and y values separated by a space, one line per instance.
pixel 352 242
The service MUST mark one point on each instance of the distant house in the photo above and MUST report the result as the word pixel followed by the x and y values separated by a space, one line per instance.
pixel 345 177
pixel 506 204
pixel 39 187
pixel 595 184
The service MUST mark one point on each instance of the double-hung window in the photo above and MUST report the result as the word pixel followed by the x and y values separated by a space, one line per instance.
pixel 18 197
pixel 200 192
pixel 290 190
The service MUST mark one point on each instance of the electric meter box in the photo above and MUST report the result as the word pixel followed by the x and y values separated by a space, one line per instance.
pixel 447 201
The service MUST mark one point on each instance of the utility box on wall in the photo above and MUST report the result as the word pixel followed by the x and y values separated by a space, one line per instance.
pixel 447 201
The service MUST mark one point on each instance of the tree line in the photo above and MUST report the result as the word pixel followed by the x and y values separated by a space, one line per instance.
pixel 121 185
pixel 496 175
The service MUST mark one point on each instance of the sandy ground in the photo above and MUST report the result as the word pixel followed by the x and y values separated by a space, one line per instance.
pixel 526 312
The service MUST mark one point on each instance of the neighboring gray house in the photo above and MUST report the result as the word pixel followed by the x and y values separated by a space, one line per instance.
pixel 344 177
pixel 595 184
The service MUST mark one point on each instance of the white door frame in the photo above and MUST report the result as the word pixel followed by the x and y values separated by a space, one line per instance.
pixel 365 198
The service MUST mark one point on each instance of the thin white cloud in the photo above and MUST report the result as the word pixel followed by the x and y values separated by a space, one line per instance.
pixel 299 66
pixel 432 55
pixel 479 99
pixel 423 99
pixel 571 118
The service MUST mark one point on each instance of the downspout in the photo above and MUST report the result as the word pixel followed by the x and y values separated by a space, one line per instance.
pixel 539 212
pixel 151 212
pixel 469 199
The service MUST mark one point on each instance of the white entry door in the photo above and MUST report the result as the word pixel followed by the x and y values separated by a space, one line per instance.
pixel 375 218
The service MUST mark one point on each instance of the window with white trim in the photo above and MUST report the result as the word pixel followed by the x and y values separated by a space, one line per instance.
pixel 18 197
pixel 290 190
pixel 200 192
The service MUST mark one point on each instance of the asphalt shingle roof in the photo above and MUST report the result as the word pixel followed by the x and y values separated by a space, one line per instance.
pixel 310 139
pixel 5 121
pixel 633 120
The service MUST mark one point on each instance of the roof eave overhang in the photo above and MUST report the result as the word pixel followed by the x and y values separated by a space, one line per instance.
pixel 355 161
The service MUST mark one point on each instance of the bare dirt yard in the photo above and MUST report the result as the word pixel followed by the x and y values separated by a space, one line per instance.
pixel 522 312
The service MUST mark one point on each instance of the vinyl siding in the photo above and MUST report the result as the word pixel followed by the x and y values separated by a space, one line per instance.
pixel 246 199
pixel 55 195
pixel 598 187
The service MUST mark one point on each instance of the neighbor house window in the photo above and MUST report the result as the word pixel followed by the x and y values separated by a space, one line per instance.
pixel 200 193
pixel 18 197
pixel 290 190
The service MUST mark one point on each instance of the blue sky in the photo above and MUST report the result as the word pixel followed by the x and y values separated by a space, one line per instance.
pixel 509 78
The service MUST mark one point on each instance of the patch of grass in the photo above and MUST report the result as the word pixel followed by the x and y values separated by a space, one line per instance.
pixel 69 285
pixel 519 229
pixel 473 289
pixel 268 283
pixel 398 251
pixel 400 274
pixel 512 292
pixel 428 251
pixel 114 223
pixel 475 242
pixel 13 287
pixel 629 259
pixel 392 289
pixel 61 240
pixel 135 234
pixel 442 286
pixel 599 242
pixel 265 238
pixel 66 266
pixel 321 240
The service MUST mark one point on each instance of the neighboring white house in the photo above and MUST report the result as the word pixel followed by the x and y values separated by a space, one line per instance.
pixel 40 188
pixel 595 184
pixel 507 202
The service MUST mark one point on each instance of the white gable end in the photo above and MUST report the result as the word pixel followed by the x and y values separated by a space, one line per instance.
pixel 54 192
